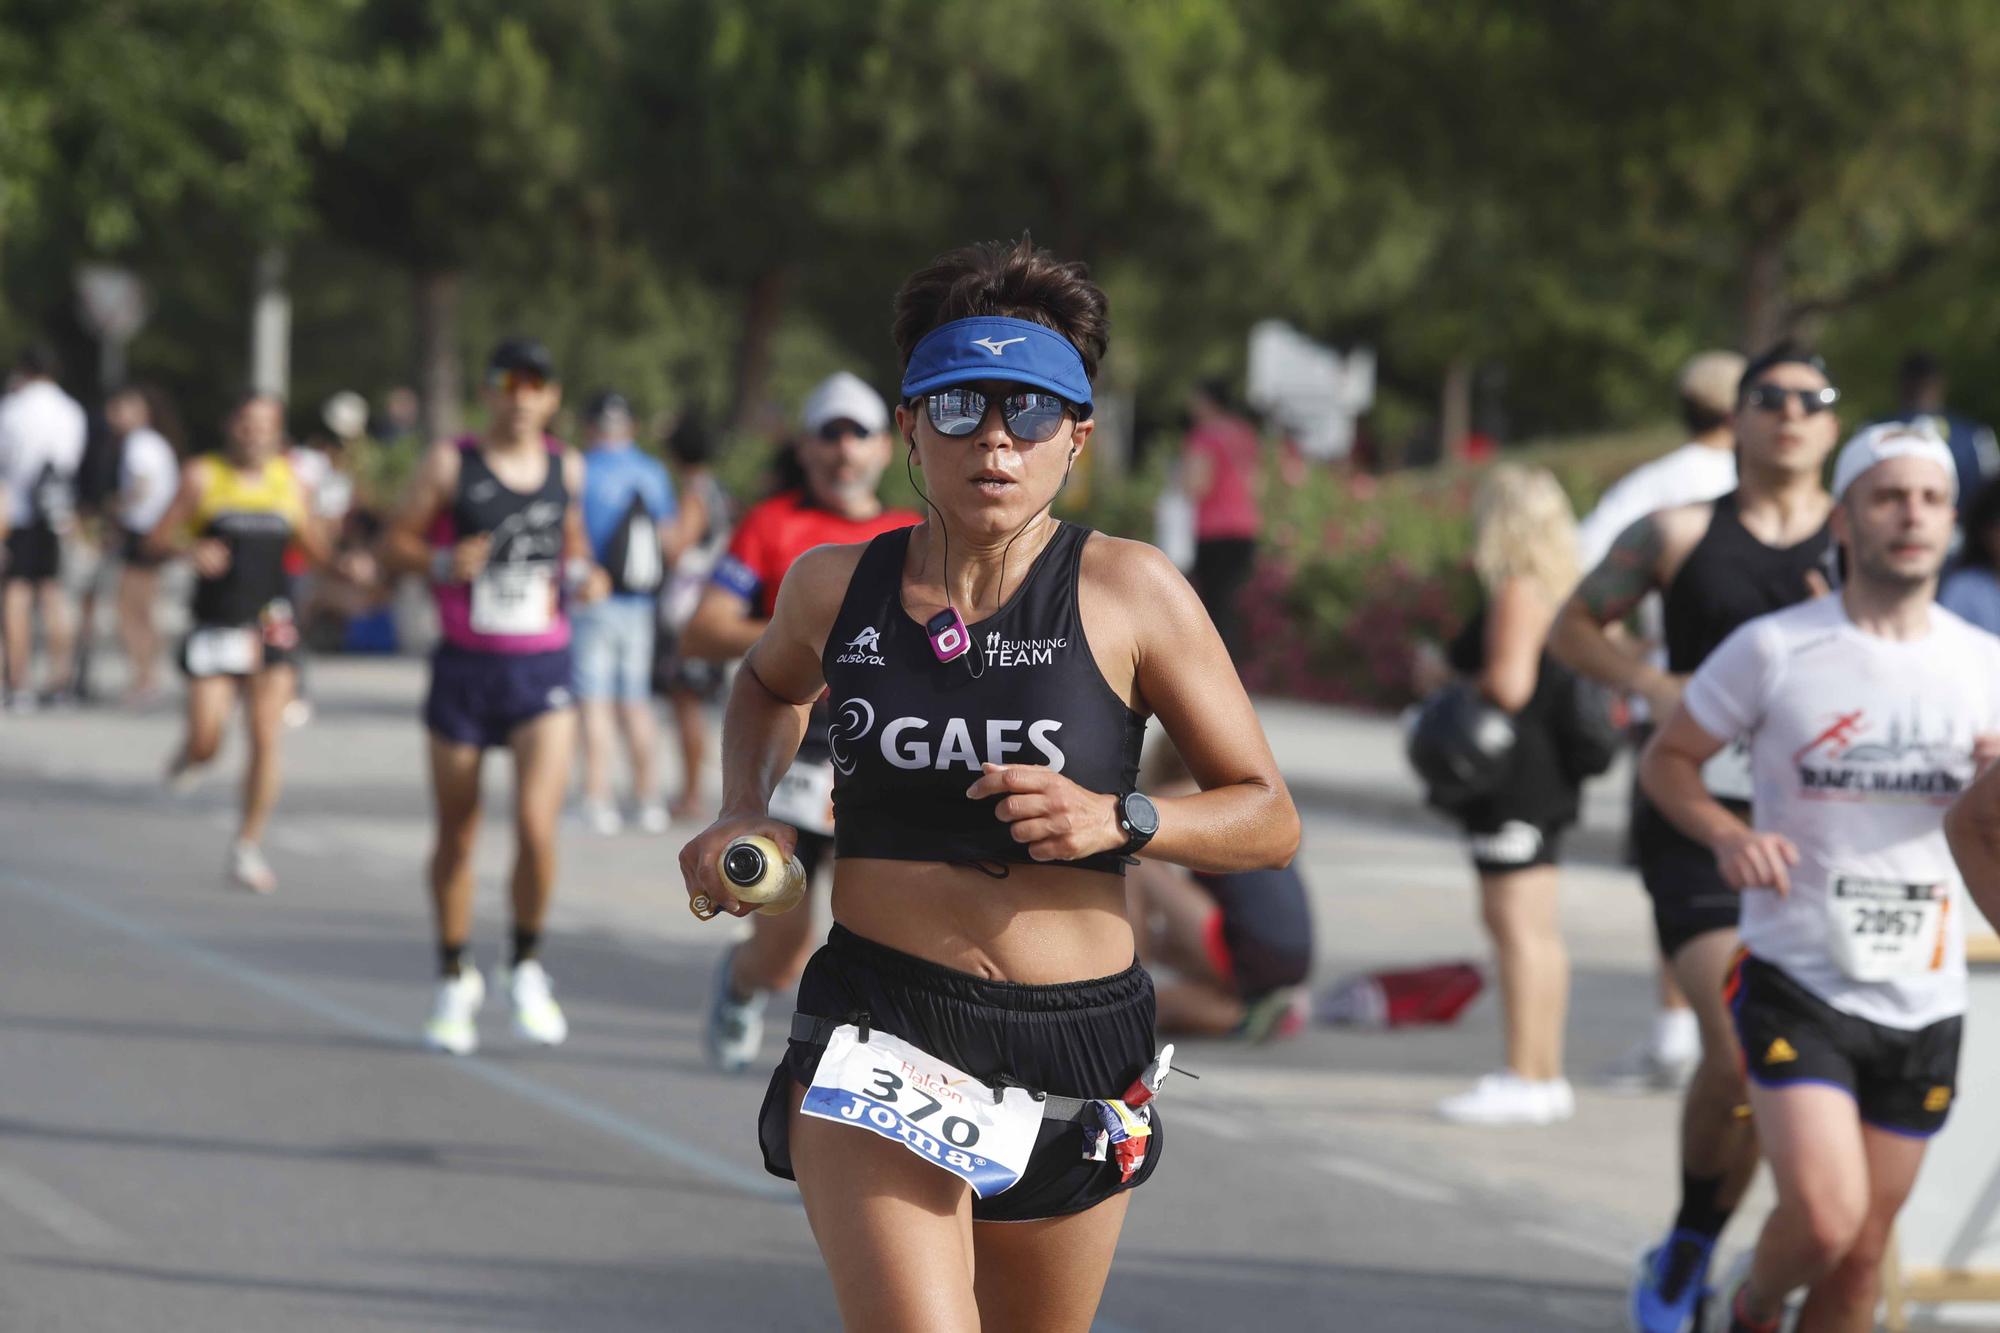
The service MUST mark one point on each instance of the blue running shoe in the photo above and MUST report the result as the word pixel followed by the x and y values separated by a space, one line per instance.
pixel 1670 1286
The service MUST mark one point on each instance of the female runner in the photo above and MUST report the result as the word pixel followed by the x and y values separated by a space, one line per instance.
pixel 990 675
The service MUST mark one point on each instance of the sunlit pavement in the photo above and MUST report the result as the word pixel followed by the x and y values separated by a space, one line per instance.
pixel 213 1114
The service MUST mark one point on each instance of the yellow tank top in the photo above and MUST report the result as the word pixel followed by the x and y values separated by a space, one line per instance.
pixel 227 491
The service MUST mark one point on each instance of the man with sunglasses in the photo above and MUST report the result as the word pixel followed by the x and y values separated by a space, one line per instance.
pixel 843 449
pixel 496 521
pixel 1716 565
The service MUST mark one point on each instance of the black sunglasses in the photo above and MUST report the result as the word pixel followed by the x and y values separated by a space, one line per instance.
pixel 1771 398
pixel 1031 417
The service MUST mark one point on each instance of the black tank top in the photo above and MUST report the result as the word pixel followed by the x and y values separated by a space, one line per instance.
pixel 910 732
pixel 1730 577
pixel 523 527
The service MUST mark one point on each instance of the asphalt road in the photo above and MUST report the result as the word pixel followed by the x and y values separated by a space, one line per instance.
pixel 213 1114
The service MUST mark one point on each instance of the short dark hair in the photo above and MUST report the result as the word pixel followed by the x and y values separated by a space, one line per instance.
pixel 1784 353
pixel 1701 418
pixel 39 359
pixel 691 441
pixel 1980 515
pixel 1005 278
pixel 1918 369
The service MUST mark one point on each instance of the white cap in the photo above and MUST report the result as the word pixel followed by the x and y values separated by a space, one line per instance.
pixel 844 397
pixel 345 414
pixel 1892 439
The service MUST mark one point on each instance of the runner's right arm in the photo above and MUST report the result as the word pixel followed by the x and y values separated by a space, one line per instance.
pixel 209 556
pixel 725 622
pixel 1583 638
pixel 1972 827
pixel 723 627
pixel 405 546
pixel 766 716
pixel 1724 699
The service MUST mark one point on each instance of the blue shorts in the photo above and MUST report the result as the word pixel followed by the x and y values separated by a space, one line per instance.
pixel 613 643
pixel 482 698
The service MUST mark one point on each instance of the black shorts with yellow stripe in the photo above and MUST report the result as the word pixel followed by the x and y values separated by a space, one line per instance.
pixel 1901 1079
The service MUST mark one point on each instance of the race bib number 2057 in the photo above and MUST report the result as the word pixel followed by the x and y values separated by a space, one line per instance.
pixel 942 1114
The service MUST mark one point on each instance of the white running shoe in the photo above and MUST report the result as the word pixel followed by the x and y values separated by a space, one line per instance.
pixel 1506 1098
pixel 451 1027
pixel 653 817
pixel 601 818
pixel 734 1032
pixel 1645 1068
pixel 298 712
pixel 537 1016
pixel 248 868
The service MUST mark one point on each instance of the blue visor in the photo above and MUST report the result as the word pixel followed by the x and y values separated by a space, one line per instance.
pixel 996 347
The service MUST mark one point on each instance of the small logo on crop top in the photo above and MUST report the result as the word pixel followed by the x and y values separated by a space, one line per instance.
pixel 864 649
pixel 1021 652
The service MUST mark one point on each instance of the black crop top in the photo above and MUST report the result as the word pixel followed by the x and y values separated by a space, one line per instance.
pixel 910 732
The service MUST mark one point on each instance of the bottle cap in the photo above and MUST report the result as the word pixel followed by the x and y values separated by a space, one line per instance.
pixel 743 864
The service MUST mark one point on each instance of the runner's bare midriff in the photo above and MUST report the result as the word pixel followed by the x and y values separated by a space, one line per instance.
pixel 1041 925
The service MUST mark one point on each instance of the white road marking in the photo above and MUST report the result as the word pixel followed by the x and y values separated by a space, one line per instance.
pixel 1589 1247
pixel 1389 1181
pixel 64 1216
pixel 655 1142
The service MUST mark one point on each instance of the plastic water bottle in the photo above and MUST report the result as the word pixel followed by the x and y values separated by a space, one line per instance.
pixel 759 873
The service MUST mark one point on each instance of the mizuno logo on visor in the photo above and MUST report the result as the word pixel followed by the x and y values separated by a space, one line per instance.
pixel 997 346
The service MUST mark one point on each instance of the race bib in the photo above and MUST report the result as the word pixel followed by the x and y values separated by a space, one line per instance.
pixel 514 598
pixel 1883 930
pixel 224 652
pixel 942 1114
pixel 1727 772
pixel 804 798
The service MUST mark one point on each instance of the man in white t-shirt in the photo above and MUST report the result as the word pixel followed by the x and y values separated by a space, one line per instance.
pixel 1695 473
pixel 1867 711
pixel 42 432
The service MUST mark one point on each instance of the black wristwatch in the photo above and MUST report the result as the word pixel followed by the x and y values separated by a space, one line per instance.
pixel 1138 820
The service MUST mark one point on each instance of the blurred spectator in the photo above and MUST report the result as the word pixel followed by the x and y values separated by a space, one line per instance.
pixel 42 435
pixel 629 515
pixel 1920 389
pixel 1218 473
pixel 1972 590
pixel 1524 552
pixel 1229 951
pixel 148 436
pixel 1696 472
pixel 1699 470
pixel 401 418
pixel 689 683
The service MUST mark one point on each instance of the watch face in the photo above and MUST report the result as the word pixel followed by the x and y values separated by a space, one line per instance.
pixel 1141 816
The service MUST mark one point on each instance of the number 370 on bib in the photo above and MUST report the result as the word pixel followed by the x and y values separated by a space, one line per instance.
pixel 940 1113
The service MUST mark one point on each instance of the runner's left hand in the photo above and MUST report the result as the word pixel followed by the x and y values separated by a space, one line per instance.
pixel 1058 820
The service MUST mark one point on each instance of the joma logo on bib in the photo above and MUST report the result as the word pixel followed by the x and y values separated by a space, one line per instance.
pixel 910 742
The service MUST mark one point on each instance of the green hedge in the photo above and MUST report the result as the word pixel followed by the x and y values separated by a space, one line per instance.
pixel 1355 571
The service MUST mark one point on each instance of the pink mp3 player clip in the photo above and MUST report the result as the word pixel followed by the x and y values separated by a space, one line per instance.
pixel 949 639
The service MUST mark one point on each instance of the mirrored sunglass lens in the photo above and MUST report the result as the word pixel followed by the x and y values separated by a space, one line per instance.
pixel 1034 417
pixel 957 411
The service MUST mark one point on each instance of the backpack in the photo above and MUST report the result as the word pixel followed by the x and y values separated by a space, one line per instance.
pixel 632 557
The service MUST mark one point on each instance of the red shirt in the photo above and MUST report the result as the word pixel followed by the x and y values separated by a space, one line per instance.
pixel 1229 509
pixel 778 531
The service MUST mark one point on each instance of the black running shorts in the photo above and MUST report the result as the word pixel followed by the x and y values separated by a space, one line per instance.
pixel 34 555
pixel 1690 897
pixel 1902 1080
pixel 1075 1039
